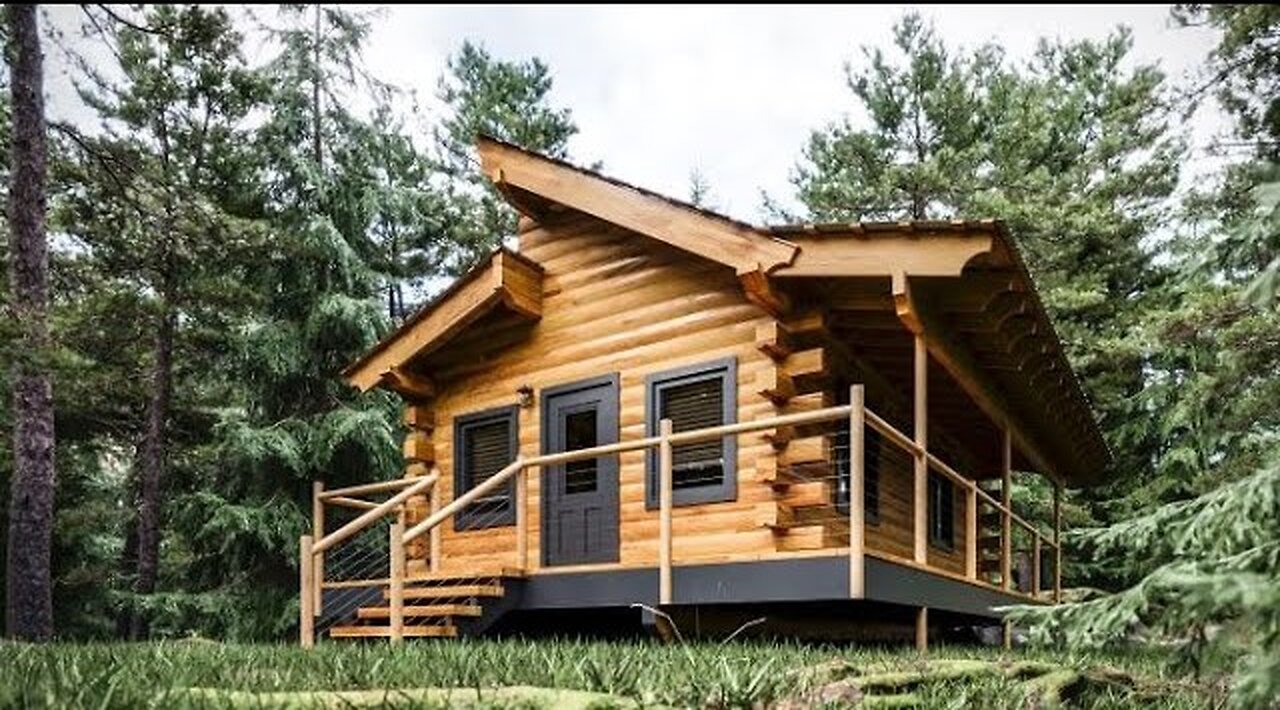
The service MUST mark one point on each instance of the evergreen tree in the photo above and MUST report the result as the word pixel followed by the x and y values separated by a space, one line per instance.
pixel 174 130
pixel 293 420
pixel 28 585
pixel 506 100
pixel 1074 150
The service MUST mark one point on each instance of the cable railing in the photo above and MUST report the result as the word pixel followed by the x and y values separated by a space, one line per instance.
pixel 846 496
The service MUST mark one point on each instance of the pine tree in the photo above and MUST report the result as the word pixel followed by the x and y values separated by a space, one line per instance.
pixel 174 131
pixel 28 586
pixel 509 101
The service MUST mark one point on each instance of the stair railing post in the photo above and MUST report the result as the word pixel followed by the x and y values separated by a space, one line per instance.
pixel 396 579
pixel 1057 543
pixel 522 519
pixel 317 532
pixel 1006 519
pixel 664 512
pixel 857 491
pixel 971 530
pixel 1035 566
pixel 435 532
pixel 306 595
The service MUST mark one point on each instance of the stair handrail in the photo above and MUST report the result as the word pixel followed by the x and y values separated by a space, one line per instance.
pixel 367 518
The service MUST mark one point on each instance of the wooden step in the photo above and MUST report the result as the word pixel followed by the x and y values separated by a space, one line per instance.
pixel 450 591
pixel 989 541
pixel 353 632
pixel 412 611
pixel 497 572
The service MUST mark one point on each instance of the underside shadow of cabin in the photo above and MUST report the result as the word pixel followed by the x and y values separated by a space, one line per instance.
pixel 649 406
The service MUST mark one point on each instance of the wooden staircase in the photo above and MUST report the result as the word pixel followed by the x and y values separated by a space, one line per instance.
pixel 438 606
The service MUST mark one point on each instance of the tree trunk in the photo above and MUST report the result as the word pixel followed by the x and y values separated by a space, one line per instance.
pixel 151 462
pixel 29 597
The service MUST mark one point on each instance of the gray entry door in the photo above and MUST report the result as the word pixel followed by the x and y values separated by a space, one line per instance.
pixel 580 498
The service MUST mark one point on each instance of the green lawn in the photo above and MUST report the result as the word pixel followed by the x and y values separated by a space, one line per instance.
pixel 707 675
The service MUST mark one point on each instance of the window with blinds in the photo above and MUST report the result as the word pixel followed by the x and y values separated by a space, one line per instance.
pixel 942 511
pixel 696 398
pixel 484 444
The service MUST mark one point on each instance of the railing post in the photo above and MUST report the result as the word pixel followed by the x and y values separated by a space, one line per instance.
pixel 971 530
pixel 920 508
pixel 1057 543
pixel 396 579
pixel 1006 521
pixel 664 512
pixel 522 519
pixel 306 596
pixel 857 480
pixel 435 532
pixel 317 532
pixel 1035 566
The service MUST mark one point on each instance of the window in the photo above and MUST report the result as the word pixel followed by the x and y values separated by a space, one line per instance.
pixel 871 445
pixel 942 511
pixel 484 443
pixel 695 397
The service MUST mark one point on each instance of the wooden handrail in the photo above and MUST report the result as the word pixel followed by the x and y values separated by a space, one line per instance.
pixel 368 517
pixel 902 440
pixel 686 437
pixel 350 502
pixel 367 488
pixel 462 501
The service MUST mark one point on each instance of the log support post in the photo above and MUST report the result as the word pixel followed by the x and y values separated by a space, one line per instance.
pixel 1057 543
pixel 396 579
pixel 317 533
pixel 857 478
pixel 435 532
pixel 922 629
pixel 306 597
pixel 1006 520
pixel 664 512
pixel 921 503
pixel 971 530
pixel 522 520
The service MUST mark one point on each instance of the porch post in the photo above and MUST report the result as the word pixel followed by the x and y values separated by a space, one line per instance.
pixel 922 629
pixel 522 519
pixel 306 596
pixel 1057 543
pixel 1035 567
pixel 1006 521
pixel 435 532
pixel 396 582
pixel 857 531
pixel 664 512
pixel 317 532
pixel 971 530
pixel 921 507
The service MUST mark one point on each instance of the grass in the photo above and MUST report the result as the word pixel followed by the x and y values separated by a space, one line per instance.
pixel 693 675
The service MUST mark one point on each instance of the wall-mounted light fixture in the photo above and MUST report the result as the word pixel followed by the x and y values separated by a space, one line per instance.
pixel 525 393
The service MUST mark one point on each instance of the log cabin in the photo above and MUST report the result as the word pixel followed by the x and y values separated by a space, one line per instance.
pixel 650 414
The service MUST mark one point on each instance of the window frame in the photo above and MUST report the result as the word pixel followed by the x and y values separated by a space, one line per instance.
pixel 725 370
pixel 934 512
pixel 468 518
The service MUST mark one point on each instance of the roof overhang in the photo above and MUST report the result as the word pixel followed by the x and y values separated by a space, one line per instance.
pixel 530 180
pixel 964 287
pixel 505 280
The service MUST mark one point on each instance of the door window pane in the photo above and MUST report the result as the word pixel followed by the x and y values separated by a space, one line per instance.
pixel 580 433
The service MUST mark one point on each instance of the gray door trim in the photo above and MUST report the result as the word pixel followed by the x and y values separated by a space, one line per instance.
pixel 609 409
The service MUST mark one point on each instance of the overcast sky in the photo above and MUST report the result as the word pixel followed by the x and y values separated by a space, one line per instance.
pixel 732 92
